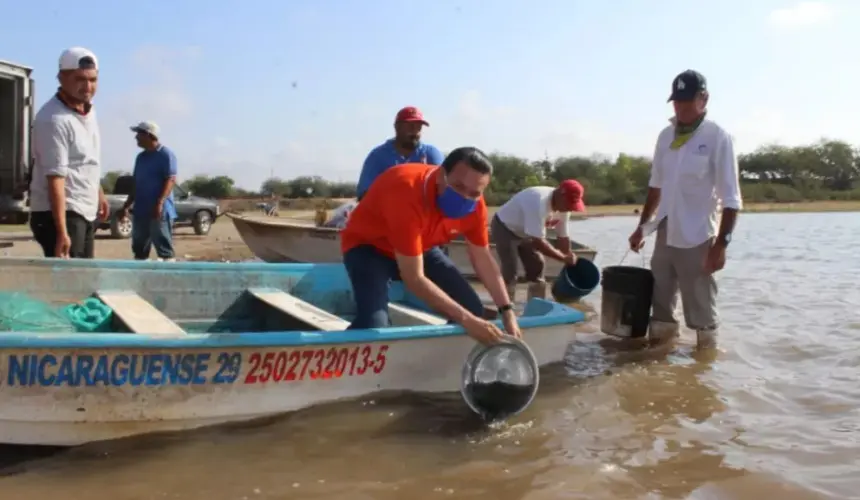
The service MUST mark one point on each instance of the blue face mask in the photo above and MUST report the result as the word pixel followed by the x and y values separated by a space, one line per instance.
pixel 454 205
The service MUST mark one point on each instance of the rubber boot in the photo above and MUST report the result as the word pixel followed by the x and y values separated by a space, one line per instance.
pixel 512 292
pixel 536 290
pixel 663 332
pixel 706 338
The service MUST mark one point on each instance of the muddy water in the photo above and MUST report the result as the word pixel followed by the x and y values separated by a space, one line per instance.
pixel 776 413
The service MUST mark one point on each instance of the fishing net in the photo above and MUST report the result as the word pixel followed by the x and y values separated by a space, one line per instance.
pixel 21 313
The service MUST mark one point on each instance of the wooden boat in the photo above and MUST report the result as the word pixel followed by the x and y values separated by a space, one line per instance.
pixel 292 240
pixel 194 344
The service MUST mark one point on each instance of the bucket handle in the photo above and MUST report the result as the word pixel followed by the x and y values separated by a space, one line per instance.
pixel 641 254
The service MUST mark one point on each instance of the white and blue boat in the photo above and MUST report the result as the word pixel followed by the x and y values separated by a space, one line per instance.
pixel 94 350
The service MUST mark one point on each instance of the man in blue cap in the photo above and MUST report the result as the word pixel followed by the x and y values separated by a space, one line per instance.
pixel 694 183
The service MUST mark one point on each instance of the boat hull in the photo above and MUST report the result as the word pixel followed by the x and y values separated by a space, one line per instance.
pixel 71 397
pixel 72 388
pixel 285 240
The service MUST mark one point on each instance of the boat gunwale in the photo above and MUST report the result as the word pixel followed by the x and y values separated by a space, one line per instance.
pixel 555 315
pixel 298 225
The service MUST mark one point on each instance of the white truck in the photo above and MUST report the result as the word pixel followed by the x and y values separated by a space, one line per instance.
pixel 16 156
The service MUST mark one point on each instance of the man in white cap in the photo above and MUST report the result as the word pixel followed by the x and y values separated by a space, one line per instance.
pixel 65 182
pixel 154 209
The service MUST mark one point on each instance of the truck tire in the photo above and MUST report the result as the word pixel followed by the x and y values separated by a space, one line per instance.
pixel 202 222
pixel 120 229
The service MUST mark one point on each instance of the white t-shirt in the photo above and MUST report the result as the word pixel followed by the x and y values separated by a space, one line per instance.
pixel 67 144
pixel 341 215
pixel 528 213
pixel 694 181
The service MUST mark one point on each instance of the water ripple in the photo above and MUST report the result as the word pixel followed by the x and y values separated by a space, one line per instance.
pixel 776 413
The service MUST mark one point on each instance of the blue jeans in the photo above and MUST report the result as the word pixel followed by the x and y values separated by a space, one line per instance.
pixel 371 273
pixel 147 232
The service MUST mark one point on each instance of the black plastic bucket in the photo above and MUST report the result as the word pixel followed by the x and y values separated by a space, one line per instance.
pixel 625 309
pixel 576 281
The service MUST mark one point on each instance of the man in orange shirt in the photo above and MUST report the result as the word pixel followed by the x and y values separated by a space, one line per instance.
pixel 395 232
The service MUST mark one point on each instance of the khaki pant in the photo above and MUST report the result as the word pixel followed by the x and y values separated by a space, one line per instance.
pixel 682 269
pixel 511 250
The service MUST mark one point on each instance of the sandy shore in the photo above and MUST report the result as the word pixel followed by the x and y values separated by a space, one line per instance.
pixel 633 210
pixel 221 244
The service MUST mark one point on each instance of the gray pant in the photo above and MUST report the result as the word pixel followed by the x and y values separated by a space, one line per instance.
pixel 683 269
pixel 512 249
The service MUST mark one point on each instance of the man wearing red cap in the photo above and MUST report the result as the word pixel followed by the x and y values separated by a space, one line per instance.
pixel 405 147
pixel 519 232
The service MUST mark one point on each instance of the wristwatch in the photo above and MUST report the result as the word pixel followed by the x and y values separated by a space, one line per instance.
pixel 505 308
pixel 725 240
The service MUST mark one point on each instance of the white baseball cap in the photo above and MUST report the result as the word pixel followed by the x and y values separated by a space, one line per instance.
pixel 78 58
pixel 149 127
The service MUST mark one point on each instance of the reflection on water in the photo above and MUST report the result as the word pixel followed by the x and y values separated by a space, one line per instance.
pixel 774 414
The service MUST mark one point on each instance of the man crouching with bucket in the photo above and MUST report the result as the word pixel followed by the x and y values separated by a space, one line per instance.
pixel 519 232
pixel 395 232
pixel 694 171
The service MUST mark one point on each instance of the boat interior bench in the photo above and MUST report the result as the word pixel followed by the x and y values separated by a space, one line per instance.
pixel 281 311
pixel 138 315
pixel 407 316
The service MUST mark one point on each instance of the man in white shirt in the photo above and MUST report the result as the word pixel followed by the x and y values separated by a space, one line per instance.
pixel 694 172
pixel 519 232
pixel 65 184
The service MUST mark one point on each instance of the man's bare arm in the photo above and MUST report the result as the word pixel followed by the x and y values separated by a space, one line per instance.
pixel 57 197
pixel 727 223
pixel 563 244
pixel 544 247
pixel 168 188
pixel 651 203
pixel 488 273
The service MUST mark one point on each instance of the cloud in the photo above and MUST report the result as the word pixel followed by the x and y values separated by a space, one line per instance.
pixel 787 127
pixel 802 14
pixel 158 94
pixel 530 131
pixel 255 144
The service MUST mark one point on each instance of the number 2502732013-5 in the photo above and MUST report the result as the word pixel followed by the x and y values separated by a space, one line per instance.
pixel 313 364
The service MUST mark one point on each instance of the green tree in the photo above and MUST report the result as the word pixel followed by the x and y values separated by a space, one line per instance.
pixel 826 170
pixel 210 187
pixel 109 180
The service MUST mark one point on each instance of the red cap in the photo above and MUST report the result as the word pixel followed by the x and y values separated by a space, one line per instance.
pixel 573 193
pixel 410 114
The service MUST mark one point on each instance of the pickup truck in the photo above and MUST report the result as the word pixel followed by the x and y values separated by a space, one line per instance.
pixel 195 211
pixel 16 117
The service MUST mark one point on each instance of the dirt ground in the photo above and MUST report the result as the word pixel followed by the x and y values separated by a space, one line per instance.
pixel 222 244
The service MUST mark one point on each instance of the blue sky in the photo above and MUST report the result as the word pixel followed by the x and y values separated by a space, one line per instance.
pixel 524 77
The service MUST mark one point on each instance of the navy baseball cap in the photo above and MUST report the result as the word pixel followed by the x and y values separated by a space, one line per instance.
pixel 687 85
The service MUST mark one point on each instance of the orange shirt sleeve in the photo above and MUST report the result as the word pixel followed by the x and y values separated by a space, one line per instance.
pixel 404 225
pixel 477 232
